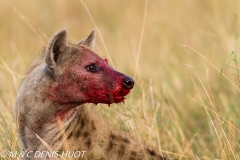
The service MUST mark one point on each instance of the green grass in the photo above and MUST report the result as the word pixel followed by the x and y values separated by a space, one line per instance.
pixel 186 98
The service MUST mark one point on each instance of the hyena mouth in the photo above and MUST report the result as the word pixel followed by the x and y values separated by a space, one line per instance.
pixel 117 99
pixel 118 94
pixel 114 97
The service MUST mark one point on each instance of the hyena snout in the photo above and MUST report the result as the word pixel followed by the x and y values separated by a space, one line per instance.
pixel 127 82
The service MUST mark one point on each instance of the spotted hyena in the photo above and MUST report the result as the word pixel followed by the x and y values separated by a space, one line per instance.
pixel 50 110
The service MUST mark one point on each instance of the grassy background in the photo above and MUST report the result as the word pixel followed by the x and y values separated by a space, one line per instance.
pixel 180 104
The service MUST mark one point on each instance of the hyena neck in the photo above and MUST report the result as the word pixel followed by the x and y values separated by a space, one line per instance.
pixel 70 126
pixel 59 126
pixel 47 121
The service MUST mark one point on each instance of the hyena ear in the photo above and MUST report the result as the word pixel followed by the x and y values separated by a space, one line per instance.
pixel 89 41
pixel 55 46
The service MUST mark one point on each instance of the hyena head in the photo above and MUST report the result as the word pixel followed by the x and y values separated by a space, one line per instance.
pixel 79 75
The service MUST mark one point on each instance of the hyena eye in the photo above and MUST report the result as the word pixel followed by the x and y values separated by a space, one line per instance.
pixel 92 68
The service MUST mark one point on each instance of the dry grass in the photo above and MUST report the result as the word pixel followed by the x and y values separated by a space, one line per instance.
pixel 181 103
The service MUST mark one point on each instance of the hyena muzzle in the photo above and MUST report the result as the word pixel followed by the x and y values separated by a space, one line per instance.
pixel 49 107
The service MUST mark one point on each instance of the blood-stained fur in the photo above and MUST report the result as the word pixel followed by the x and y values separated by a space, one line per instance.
pixel 50 110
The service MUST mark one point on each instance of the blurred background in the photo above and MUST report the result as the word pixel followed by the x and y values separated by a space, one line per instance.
pixel 181 103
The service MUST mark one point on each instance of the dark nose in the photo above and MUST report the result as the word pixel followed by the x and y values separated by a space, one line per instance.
pixel 128 82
